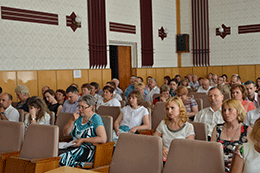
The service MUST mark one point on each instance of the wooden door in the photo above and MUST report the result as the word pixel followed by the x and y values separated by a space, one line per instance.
pixel 124 66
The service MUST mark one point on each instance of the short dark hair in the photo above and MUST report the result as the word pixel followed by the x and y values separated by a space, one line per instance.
pixel 140 78
pixel 61 91
pixel 113 84
pixel 109 88
pixel 136 94
pixel 249 82
pixel 177 75
pixel 72 89
pixel 94 84
pixel 167 78
pixel 173 80
pixel 224 75
pixel 49 91
pixel 86 85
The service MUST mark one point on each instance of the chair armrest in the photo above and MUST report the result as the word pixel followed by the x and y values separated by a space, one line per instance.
pixel 145 131
pixel 45 160
pixel 103 154
pixel 103 169
pixel 4 156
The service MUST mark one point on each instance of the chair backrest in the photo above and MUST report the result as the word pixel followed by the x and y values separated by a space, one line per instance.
pixel 158 114
pixel 14 104
pixel 155 95
pixel 21 115
pixel 146 104
pixel 200 130
pixel 40 141
pixel 52 119
pixel 62 120
pixel 226 96
pixel 194 156
pixel 200 103
pixel 11 136
pixel 205 99
pixel 113 111
pixel 108 123
pixel 137 153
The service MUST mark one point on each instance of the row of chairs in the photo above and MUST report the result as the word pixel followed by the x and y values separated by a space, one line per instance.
pixel 141 153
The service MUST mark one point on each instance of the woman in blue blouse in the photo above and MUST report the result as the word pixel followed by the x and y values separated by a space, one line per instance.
pixel 86 127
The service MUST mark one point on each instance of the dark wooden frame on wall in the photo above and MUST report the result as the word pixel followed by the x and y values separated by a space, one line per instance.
pixel 97 33
pixel 146 32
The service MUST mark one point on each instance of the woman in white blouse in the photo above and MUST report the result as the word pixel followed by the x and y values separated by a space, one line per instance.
pixel 175 125
pixel 108 99
pixel 132 117
pixel 38 112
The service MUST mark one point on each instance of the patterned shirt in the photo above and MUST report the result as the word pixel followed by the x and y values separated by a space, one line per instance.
pixel 189 104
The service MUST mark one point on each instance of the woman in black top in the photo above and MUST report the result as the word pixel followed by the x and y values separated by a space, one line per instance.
pixel 53 105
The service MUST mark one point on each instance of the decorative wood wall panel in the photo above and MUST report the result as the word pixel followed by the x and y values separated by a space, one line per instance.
pixel 146 32
pixel 97 33
pixel 9 13
pixel 200 33
pixel 248 29
pixel 120 27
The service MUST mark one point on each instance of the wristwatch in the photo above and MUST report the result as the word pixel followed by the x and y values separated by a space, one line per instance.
pixel 33 119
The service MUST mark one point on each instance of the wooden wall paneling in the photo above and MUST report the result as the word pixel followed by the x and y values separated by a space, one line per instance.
pixel 83 79
pixel 168 72
pixel 29 79
pixel 257 71
pixel 46 77
pixel 159 74
pixel 64 79
pixel 184 71
pixel 200 71
pixel 8 82
pixel 230 70
pixel 151 72
pixel 95 75
pixel 134 71
pixel 106 76
pixel 215 70
pixel 142 73
pixel 247 72
pixel 175 71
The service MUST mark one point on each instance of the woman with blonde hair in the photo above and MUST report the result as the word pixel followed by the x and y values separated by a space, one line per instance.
pixel 174 125
pixel 141 88
pixel 233 132
pixel 247 156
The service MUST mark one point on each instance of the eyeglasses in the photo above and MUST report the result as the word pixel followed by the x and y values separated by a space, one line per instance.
pixel 83 107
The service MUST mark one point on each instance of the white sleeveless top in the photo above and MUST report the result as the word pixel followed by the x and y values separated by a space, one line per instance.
pixel 251 159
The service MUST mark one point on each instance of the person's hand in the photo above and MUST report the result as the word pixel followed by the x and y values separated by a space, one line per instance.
pixel 33 112
pixel 229 162
pixel 75 115
pixel 165 153
pixel 163 99
pixel 133 130
pixel 117 132
pixel 78 142
pixel 1 109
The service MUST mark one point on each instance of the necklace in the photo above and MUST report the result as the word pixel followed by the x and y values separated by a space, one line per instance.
pixel 228 136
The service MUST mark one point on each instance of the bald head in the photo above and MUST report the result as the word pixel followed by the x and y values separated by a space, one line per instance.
pixel 205 84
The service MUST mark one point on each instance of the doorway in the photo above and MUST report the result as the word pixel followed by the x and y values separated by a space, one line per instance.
pixel 120 64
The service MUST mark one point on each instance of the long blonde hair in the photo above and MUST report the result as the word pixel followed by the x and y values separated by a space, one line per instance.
pixel 183 113
pixel 236 104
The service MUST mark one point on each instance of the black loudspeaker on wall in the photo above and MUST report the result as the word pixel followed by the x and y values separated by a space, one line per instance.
pixel 182 43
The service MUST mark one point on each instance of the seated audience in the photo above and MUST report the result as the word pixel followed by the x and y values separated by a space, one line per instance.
pixel 235 79
pixel 185 82
pixel 233 132
pixel 71 105
pixel 252 94
pixel 147 82
pixel 210 75
pixel 60 96
pixel 253 115
pixel 86 89
pixel 53 105
pixel 95 89
pixel 107 99
pixel 247 156
pixel 178 78
pixel 153 89
pixel 164 94
pixel 7 111
pixel 205 87
pixel 194 84
pixel 23 95
pixel 115 95
pixel 141 88
pixel 222 86
pixel 200 80
pixel 38 112
pixel 257 82
pixel 166 79
pixel 132 117
pixel 173 84
pixel 189 103
pixel 86 127
pixel 75 85
pixel 189 77
pixel 239 92
pixel 118 90
pixel 130 86
pixel 225 78
pixel 45 88
pixel 175 125
pixel 211 116
pixel 214 80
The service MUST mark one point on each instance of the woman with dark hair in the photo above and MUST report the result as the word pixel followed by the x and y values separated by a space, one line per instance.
pixel 164 94
pixel 175 124
pixel 87 128
pixel 233 132
pixel 257 83
pixel 53 105
pixel 225 78
pixel 38 112
pixel 108 99
pixel 239 92
pixel 132 117
pixel 166 79
pixel 60 96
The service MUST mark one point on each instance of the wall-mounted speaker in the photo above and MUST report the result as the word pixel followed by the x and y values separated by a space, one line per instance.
pixel 182 43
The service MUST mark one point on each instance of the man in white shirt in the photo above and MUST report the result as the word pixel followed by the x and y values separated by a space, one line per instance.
pixel 7 111
pixel 211 116
pixel 214 80
pixel 152 89
pixel 252 95
pixel 205 87
pixel 118 90
pixel 251 117
pixel 222 86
